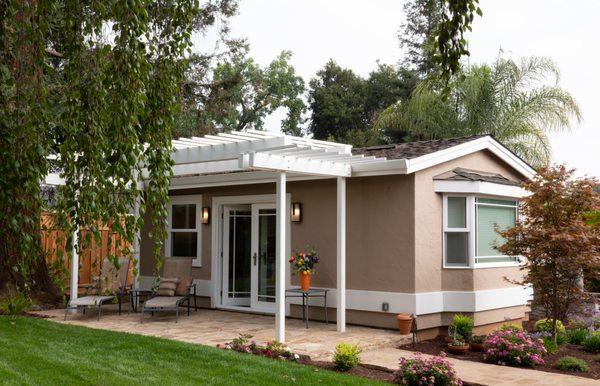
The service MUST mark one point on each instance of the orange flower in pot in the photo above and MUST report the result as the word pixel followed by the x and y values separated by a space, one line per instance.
pixel 304 264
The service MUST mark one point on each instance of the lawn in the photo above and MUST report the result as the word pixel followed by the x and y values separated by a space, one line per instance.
pixel 36 351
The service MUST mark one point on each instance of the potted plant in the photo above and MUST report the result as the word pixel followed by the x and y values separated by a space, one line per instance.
pixel 458 346
pixel 304 263
pixel 461 325
pixel 477 343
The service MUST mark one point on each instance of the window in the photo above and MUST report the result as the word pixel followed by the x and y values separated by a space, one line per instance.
pixel 492 214
pixel 456 232
pixel 470 237
pixel 183 228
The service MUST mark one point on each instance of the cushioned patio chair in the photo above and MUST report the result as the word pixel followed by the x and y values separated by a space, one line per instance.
pixel 111 284
pixel 176 289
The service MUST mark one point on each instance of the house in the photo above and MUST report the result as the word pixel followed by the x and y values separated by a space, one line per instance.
pixel 405 228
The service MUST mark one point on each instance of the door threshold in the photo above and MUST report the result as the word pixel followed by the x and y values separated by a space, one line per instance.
pixel 247 310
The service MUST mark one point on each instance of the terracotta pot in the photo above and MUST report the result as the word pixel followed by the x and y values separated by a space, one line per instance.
pixel 476 346
pixel 304 281
pixel 458 350
pixel 404 323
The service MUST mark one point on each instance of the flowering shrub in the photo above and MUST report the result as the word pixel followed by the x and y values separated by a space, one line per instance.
pixel 305 262
pixel 516 348
pixel 271 349
pixel 546 325
pixel 431 371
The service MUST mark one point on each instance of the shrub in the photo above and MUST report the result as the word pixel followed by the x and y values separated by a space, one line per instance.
pixel 549 345
pixel 592 342
pixel 272 349
pixel 15 304
pixel 479 338
pixel 346 356
pixel 462 325
pixel 545 325
pixel 597 358
pixel 572 364
pixel 512 327
pixel 577 336
pixel 435 371
pixel 516 348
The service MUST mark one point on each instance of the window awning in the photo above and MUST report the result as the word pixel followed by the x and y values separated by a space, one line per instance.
pixel 469 181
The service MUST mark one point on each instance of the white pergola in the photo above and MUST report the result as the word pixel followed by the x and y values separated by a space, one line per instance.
pixel 252 151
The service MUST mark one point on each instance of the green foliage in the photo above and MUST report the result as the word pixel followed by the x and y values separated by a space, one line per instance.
pixel 96 82
pixel 569 363
pixel 343 104
pixel 463 326
pixel 512 327
pixel 346 356
pixel 592 342
pixel 15 304
pixel 416 35
pixel 577 335
pixel 239 94
pixel 545 325
pixel 478 339
pixel 517 103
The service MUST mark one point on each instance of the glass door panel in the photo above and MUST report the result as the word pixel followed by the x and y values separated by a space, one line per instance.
pixel 237 244
pixel 264 256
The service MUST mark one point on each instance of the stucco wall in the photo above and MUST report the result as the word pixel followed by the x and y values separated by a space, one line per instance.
pixel 430 276
pixel 380 233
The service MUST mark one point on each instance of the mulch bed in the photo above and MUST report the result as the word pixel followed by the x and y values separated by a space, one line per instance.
pixel 365 371
pixel 435 346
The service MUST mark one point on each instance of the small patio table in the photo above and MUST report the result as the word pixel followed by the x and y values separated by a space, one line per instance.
pixel 305 295
pixel 137 295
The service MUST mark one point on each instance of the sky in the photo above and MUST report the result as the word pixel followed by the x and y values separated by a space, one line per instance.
pixel 357 34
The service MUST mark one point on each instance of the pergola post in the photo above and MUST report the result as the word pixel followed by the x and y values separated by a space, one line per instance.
pixel 75 265
pixel 341 254
pixel 280 263
pixel 136 246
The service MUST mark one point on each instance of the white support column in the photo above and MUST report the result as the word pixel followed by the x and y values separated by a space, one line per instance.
pixel 341 254
pixel 280 263
pixel 136 246
pixel 75 265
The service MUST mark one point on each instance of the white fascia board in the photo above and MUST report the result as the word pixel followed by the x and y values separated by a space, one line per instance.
pixel 376 167
pixel 230 179
pixel 294 164
pixel 429 160
pixel 479 187
pixel 224 151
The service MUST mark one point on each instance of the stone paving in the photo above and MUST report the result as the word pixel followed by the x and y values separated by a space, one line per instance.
pixel 210 327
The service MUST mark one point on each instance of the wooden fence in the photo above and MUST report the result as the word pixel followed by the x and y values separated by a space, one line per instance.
pixel 90 258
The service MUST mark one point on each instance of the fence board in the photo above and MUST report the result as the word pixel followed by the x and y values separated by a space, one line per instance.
pixel 53 242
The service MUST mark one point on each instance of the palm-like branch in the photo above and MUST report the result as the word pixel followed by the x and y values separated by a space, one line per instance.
pixel 518 103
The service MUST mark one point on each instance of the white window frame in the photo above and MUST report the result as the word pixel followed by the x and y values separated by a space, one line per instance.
pixel 471 229
pixel 195 199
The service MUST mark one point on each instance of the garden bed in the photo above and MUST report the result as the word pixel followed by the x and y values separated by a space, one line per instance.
pixel 435 346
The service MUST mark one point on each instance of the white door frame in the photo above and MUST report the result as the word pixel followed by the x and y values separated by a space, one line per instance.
pixel 216 301
pixel 225 261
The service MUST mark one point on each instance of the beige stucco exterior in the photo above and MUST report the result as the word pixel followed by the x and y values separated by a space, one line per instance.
pixel 394 238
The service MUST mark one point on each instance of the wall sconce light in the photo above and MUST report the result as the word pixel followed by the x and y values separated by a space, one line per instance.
pixel 296 212
pixel 205 215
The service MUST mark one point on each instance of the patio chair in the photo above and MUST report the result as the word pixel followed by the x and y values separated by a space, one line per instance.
pixel 176 289
pixel 111 284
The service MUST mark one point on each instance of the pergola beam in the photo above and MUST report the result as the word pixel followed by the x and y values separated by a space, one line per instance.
pixel 295 164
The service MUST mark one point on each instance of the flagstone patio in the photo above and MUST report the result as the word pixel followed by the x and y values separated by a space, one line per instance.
pixel 211 327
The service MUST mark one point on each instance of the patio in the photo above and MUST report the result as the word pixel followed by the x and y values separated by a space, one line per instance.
pixel 211 327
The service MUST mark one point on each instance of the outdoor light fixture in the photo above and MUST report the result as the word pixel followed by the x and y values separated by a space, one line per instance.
pixel 205 215
pixel 296 212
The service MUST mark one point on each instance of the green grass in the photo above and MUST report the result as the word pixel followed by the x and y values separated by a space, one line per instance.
pixel 36 351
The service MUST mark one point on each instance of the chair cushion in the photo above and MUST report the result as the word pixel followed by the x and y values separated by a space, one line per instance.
pixel 162 302
pixel 89 300
pixel 167 286
pixel 183 285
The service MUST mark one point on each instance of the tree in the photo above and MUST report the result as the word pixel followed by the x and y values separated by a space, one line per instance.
pixel 518 103
pixel 344 105
pixel 97 83
pixel 417 33
pixel 240 94
pixel 553 237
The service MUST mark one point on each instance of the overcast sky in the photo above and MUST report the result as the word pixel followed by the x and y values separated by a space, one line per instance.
pixel 358 33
